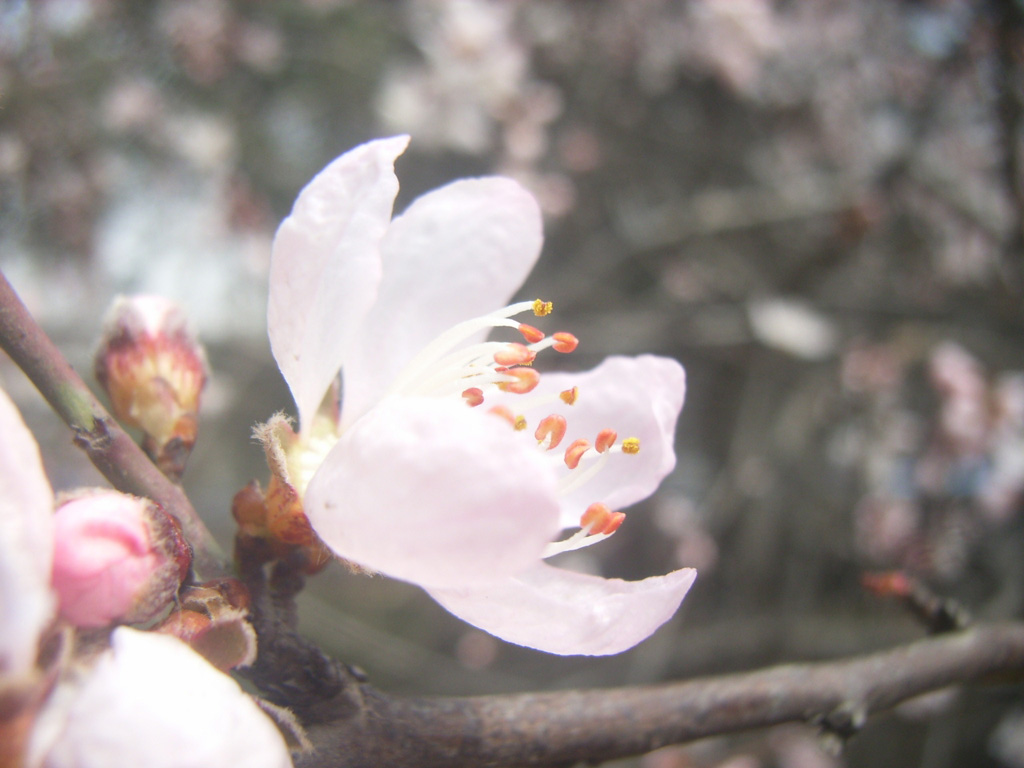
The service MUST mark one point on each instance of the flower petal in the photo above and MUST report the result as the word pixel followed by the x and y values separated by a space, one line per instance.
pixel 153 701
pixel 458 252
pixel 435 493
pixel 569 613
pixel 635 396
pixel 325 267
pixel 26 543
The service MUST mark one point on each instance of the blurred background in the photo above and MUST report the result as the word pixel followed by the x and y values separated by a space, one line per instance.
pixel 815 207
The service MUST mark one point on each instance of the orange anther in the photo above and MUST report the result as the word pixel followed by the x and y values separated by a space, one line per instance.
pixel 542 308
pixel 551 430
pixel 504 412
pixel 613 523
pixel 595 513
pixel 564 342
pixel 525 380
pixel 605 440
pixel 631 445
pixel 598 519
pixel 520 423
pixel 473 396
pixel 575 452
pixel 514 354
pixel 569 396
pixel 531 334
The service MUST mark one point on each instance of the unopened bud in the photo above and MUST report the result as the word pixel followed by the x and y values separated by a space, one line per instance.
pixel 117 558
pixel 154 370
pixel 249 509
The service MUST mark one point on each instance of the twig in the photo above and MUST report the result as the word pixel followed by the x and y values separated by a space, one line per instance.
pixel 560 729
pixel 937 613
pixel 109 447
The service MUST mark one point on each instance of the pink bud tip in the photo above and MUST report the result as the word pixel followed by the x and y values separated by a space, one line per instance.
pixel 116 559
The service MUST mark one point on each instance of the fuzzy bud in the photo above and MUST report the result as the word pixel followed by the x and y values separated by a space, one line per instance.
pixel 117 558
pixel 154 370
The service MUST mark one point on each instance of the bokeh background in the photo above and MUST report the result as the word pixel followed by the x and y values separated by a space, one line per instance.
pixel 816 207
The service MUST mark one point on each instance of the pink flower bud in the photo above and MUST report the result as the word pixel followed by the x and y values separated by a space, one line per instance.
pixel 117 558
pixel 154 370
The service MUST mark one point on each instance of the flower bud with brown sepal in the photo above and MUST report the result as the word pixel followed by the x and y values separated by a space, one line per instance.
pixel 154 371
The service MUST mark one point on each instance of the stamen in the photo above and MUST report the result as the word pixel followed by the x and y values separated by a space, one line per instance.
pixel 542 308
pixel 631 445
pixel 520 423
pixel 504 412
pixel 455 335
pixel 515 354
pixel 598 519
pixel 473 396
pixel 523 380
pixel 598 523
pixel 564 342
pixel 583 475
pixel 605 440
pixel 531 334
pixel 569 395
pixel 575 452
pixel 550 431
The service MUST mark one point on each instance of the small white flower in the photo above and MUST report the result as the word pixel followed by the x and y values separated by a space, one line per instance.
pixel 152 701
pixel 417 477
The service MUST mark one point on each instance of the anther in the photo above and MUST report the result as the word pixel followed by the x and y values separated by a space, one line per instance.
pixel 525 380
pixel 564 342
pixel 575 452
pixel 473 396
pixel 605 440
pixel 613 524
pixel 514 354
pixel 598 519
pixel 569 396
pixel 504 412
pixel 631 445
pixel 519 424
pixel 550 431
pixel 531 334
pixel 542 308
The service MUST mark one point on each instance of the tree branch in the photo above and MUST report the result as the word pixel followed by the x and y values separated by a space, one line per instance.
pixel 352 725
pixel 109 447
pixel 560 729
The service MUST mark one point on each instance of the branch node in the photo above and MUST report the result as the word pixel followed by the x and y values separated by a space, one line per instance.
pixel 840 725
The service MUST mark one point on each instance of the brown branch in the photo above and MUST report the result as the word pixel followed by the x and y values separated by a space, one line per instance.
pixel 109 447
pixel 560 729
